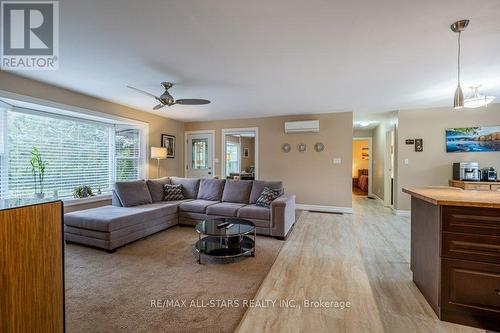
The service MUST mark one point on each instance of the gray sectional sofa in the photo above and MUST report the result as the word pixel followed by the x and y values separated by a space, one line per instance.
pixel 137 210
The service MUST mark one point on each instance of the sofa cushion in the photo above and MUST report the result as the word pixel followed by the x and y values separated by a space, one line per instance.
pixel 196 206
pixel 258 187
pixel 254 212
pixel 267 197
pixel 237 191
pixel 172 192
pixel 189 186
pixel 133 193
pixel 155 187
pixel 229 209
pixel 211 189
pixel 110 218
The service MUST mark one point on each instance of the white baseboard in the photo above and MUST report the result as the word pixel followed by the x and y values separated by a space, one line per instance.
pixel 327 209
pixel 400 212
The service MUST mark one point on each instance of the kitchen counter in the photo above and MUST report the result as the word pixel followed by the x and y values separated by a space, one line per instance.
pixel 453 196
pixel 478 185
pixel 455 253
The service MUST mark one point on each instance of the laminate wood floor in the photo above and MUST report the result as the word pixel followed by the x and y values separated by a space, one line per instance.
pixel 361 258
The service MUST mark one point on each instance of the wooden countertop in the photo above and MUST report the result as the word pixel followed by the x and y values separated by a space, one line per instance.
pixel 453 196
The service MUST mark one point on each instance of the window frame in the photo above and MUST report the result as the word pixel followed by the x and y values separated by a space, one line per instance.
pixel 29 105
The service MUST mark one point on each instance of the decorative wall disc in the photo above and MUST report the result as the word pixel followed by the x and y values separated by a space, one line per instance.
pixel 319 146
pixel 302 147
pixel 286 148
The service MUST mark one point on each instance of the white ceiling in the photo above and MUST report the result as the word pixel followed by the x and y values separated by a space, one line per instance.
pixel 263 58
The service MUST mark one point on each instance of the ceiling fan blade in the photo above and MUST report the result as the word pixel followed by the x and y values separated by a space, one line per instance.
pixel 159 106
pixel 144 92
pixel 192 101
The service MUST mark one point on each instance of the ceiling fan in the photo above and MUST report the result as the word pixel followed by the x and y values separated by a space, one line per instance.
pixel 166 99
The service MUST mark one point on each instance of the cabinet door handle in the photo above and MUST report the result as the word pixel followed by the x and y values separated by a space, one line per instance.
pixel 497 291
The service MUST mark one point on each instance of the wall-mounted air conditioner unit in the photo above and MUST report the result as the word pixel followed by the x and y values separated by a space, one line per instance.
pixel 311 126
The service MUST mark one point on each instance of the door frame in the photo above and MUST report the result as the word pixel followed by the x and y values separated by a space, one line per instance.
pixel 390 133
pixel 186 157
pixel 370 161
pixel 225 131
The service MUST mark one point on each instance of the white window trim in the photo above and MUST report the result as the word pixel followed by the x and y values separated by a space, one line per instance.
pixel 28 104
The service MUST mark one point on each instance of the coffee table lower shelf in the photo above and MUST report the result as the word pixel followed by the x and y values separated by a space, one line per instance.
pixel 225 247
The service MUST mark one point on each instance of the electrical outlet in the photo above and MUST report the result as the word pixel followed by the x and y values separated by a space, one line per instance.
pixel 337 160
pixel 406 161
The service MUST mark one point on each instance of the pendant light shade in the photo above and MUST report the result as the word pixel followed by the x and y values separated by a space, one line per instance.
pixel 458 100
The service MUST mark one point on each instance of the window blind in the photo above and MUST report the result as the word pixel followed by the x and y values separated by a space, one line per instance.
pixel 77 152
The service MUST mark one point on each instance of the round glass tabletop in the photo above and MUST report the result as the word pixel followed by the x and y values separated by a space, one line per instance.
pixel 226 227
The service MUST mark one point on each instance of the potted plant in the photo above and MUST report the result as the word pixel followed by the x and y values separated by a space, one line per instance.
pixel 38 171
pixel 83 191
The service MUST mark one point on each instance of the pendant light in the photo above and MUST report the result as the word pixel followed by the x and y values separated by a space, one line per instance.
pixel 458 100
pixel 476 100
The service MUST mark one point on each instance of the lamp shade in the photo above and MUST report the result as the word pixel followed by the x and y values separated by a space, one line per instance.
pixel 158 152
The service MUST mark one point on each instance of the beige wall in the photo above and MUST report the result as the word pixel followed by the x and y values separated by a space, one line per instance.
pixel 157 124
pixel 433 166
pixel 357 161
pixel 378 160
pixel 362 133
pixel 310 175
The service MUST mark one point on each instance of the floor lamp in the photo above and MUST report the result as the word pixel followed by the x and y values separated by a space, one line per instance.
pixel 158 153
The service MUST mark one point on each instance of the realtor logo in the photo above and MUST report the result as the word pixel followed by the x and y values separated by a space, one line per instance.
pixel 30 35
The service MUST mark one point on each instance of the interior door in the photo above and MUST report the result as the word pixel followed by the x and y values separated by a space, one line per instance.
pixel 200 155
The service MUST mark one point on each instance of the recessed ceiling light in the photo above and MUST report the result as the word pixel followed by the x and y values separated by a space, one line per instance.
pixel 364 123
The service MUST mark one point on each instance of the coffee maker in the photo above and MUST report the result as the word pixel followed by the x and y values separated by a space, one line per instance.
pixel 489 174
pixel 467 171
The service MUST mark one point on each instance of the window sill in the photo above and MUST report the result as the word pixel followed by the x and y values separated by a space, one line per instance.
pixel 68 202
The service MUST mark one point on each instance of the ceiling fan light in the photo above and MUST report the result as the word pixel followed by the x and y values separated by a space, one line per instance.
pixel 458 100
pixel 478 102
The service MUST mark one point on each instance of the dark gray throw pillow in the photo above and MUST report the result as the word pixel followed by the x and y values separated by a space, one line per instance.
pixel 156 188
pixel 133 193
pixel 267 197
pixel 172 192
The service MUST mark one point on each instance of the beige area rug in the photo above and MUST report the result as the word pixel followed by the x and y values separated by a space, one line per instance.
pixel 114 292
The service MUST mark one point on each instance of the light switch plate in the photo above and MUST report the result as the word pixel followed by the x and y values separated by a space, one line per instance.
pixel 337 160
pixel 406 161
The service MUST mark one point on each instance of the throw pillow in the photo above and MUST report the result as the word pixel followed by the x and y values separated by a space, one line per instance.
pixel 267 196
pixel 172 192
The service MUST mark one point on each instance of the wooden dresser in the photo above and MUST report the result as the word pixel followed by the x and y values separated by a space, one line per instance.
pixel 455 254
pixel 31 266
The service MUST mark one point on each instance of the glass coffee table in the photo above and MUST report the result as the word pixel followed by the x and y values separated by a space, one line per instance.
pixel 225 238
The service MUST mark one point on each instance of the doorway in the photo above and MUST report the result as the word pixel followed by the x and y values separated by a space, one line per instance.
pixel 240 153
pixel 362 166
pixel 200 154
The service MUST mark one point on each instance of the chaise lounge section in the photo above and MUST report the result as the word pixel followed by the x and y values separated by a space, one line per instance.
pixel 138 210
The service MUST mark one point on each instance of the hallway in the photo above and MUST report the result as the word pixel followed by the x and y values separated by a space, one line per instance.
pixel 362 259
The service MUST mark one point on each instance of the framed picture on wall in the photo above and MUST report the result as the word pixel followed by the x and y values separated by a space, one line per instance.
pixel 168 141
pixel 473 139
pixel 245 153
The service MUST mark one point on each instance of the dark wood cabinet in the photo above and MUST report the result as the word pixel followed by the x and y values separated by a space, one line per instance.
pixel 455 260
pixel 31 268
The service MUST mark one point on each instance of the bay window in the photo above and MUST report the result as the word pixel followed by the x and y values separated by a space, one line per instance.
pixel 77 151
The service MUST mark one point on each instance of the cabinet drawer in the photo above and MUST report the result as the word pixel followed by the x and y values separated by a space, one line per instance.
pixel 477 187
pixel 471 247
pixel 495 187
pixel 474 220
pixel 471 291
